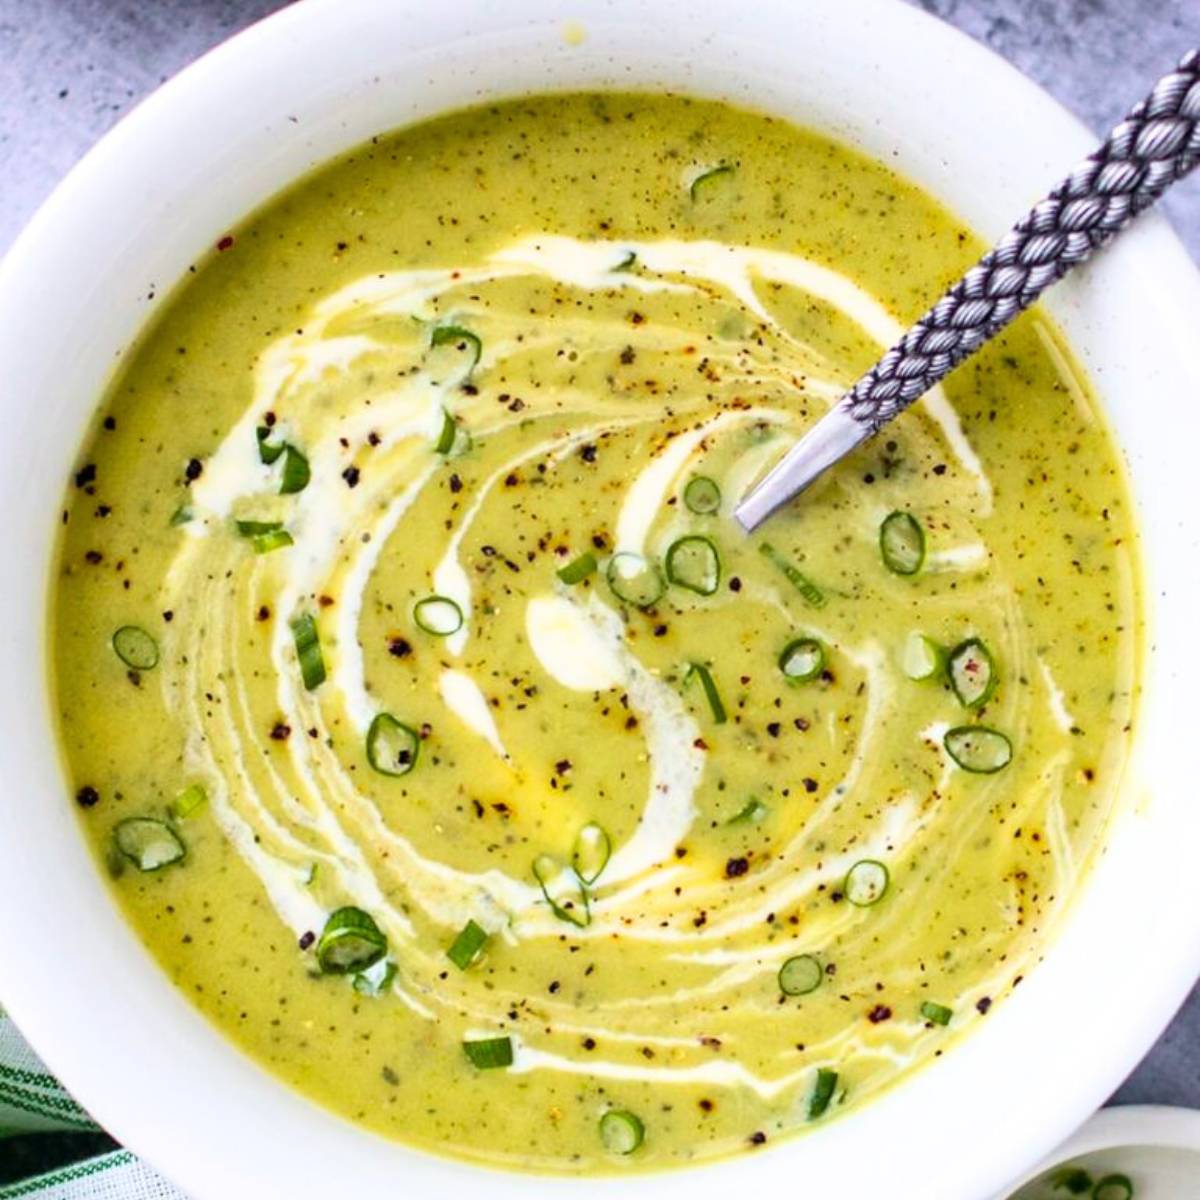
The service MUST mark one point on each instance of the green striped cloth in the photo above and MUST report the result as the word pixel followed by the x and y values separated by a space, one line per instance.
pixel 32 1101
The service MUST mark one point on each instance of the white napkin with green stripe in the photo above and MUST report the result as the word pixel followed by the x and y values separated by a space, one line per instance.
pixel 33 1101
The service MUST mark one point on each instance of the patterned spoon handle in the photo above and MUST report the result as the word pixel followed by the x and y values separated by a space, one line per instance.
pixel 1155 145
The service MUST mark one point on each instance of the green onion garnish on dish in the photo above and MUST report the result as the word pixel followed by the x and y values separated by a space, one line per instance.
pixel 308 650
pixel 190 801
pixel 376 979
pixel 135 648
pixel 621 1132
pixel 264 536
pixel 635 580
pixel 628 261
pixel 268 451
pixel 822 1093
pixel 1113 1187
pixel 350 942
pixel 392 746
pixel 701 672
pixel 751 813
pixel 148 843
pixel 563 889
pixel 463 339
pixel 936 1014
pixel 692 562
pixel 902 543
pixel 447 434
pixel 1073 1180
pixel 181 516
pixel 978 748
pixel 800 975
pixel 467 947
pixel 578 569
pixel 802 659
pixel 438 615
pixel 591 852
pixel 487 1054
pixel 703 183
pixel 921 657
pixel 702 495
pixel 866 882
pixel 296 472
pixel 794 575
pixel 972 673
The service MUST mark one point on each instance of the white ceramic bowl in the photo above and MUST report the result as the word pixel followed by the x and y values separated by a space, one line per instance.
pixel 326 74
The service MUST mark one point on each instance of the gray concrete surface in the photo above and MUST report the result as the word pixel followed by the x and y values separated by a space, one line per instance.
pixel 70 68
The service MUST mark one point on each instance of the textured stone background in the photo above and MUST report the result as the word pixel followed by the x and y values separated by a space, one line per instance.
pixel 70 68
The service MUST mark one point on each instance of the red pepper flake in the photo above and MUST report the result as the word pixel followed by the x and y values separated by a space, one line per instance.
pixel 280 732
pixel 399 647
pixel 736 867
pixel 801 724
pixel 706 1105
pixel 264 613
pixel 225 242
pixel 880 1012
pixel 86 796
pixel 306 939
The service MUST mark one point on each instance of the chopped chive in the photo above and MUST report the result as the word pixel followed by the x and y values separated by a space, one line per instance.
pixel 703 182
pixel 972 672
pixel 634 579
pixel 794 575
pixel 148 843
pixel 866 882
pixel 191 800
pixel 822 1093
pixel 249 529
pixel 438 615
pixel 181 516
pixel 936 1014
pixel 296 473
pixel 465 948
pixel 710 691
pixel 308 650
pixel 978 749
pixel 902 543
pixel 264 543
pixel 1113 1187
pixel 802 659
pixel 702 495
pixel 563 889
pixel 800 975
pixel 350 942
pixel 692 562
pixel 921 657
pixel 1074 1180
pixel 487 1054
pixel 376 979
pixel 447 434
pixel 578 569
pixel 267 452
pixel 135 648
pixel 751 813
pixel 392 747
pixel 628 261
pixel 464 339
pixel 621 1132
pixel 591 852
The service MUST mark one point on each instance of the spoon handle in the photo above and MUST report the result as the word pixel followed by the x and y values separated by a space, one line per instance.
pixel 1155 145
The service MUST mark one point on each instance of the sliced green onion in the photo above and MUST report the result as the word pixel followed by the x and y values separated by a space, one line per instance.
pixel 702 495
pixel 627 262
pixel 1113 1187
pixel 1074 1180
pixel 794 575
pixel 972 671
pixel 800 975
pixel 978 748
pixel 135 648
pixel 921 657
pixel 936 1014
pixel 563 889
pixel 621 1132
pixel 578 569
pixel 148 843
pixel 489 1053
pixel 392 746
pixel 350 942
pixel 181 516
pixel 267 452
pixel 693 563
pixel 704 181
pixel 635 580
pixel 465 948
pixel 591 852
pixel 376 979
pixel 296 472
pixel 464 339
pixel 438 615
pixel 866 882
pixel 447 434
pixel 752 812
pixel 191 800
pixel 822 1093
pixel 308 650
pixel 802 660
pixel 902 543
pixel 710 690
pixel 249 529
pixel 265 536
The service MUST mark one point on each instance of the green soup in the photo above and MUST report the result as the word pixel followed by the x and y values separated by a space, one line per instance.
pixel 453 749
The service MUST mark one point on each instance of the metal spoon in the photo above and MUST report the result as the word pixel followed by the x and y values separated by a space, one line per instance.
pixel 1157 144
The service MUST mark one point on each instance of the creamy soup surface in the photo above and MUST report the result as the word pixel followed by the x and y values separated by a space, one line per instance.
pixel 448 743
